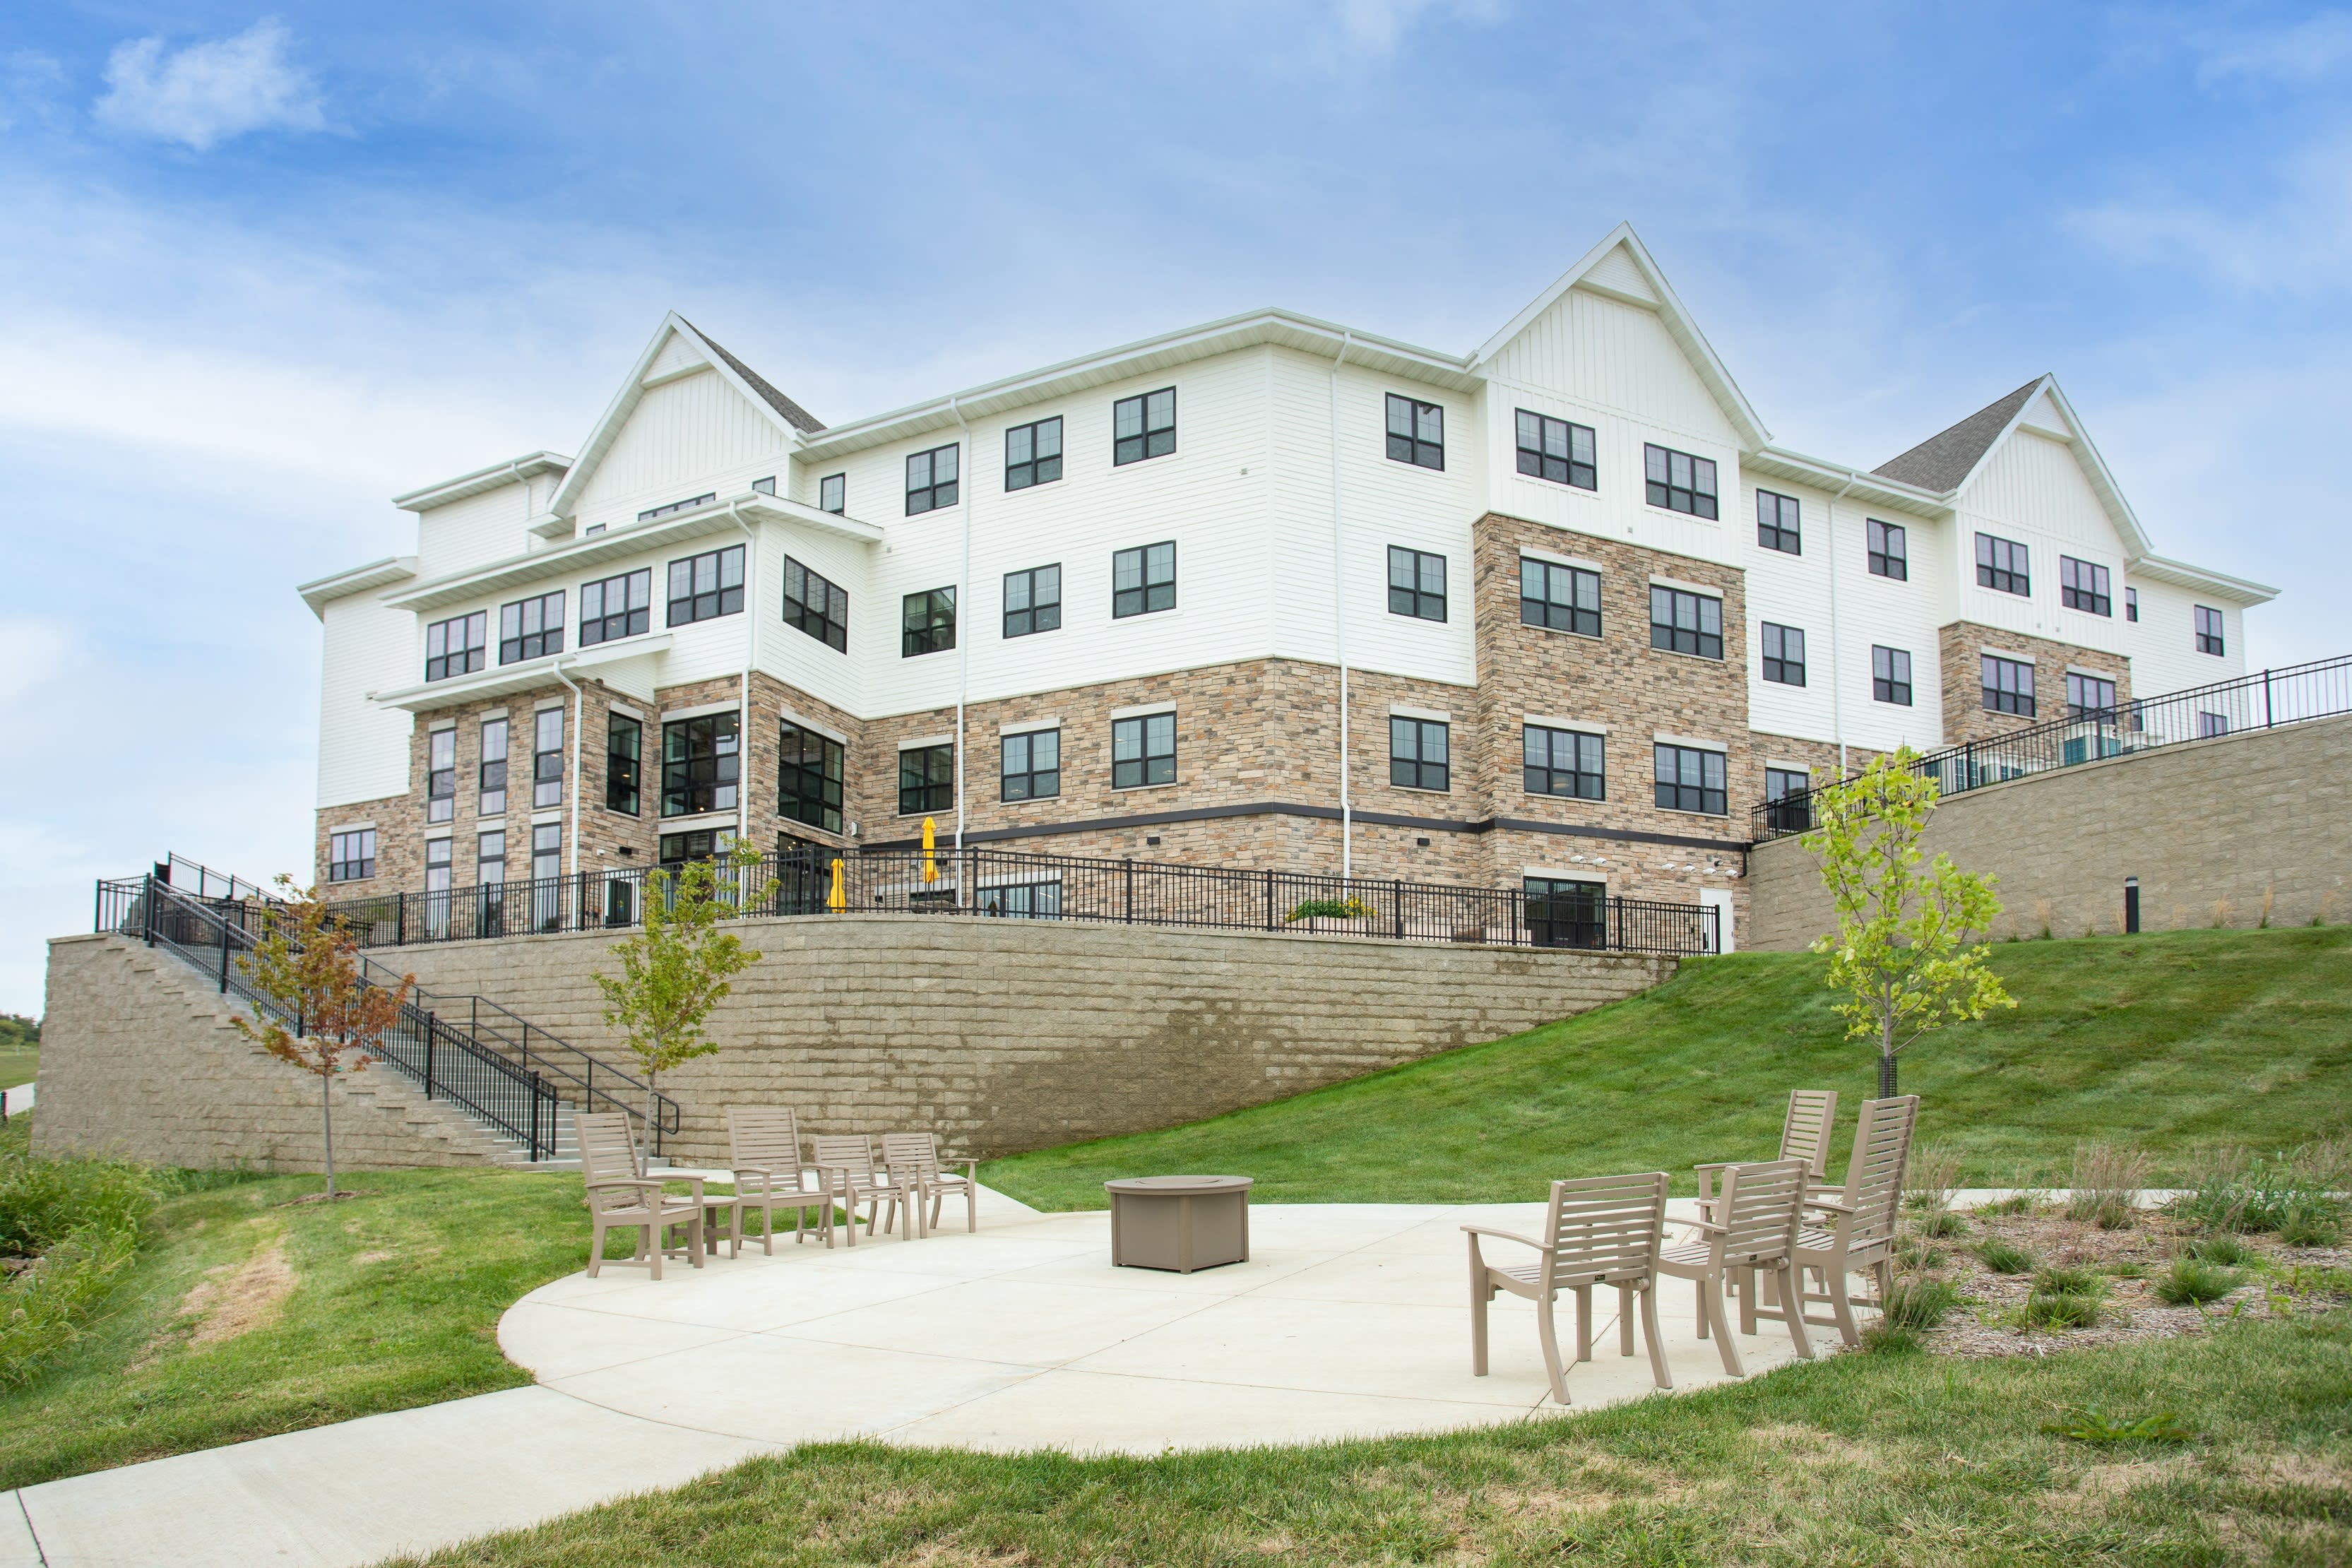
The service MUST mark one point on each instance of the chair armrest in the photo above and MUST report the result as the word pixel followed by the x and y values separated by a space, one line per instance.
pixel 1716 1165
pixel 1503 1235
pixel 1831 1204
pixel 622 1182
pixel 695 1181
pixel 742 1171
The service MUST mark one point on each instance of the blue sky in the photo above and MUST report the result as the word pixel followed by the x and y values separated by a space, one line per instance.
pixel 264 269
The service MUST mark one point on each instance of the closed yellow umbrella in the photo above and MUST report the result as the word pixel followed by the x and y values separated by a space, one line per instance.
pixel 837 899
pixel 930 867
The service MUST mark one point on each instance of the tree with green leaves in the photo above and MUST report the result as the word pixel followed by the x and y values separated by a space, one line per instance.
pixel 307 963
pixel 1902 956
pixel 680 964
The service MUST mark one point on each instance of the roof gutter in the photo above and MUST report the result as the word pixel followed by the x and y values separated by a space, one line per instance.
pixel 1837 668
pixel 579 717
pixel 743 692
pixel 1339 624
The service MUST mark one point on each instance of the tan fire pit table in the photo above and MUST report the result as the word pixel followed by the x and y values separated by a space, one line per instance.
pixel 1179 1223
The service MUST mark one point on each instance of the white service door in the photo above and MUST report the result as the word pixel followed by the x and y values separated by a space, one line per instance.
pixel 1719 901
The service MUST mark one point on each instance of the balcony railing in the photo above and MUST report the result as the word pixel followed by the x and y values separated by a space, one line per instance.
pixel 2320 689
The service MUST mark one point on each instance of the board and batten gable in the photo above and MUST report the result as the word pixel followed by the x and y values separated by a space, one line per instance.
pixel 366 647
pixel 687 435
pixel 2031 489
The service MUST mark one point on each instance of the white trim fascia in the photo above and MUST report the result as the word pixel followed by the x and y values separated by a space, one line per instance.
pixel 501 680
pixel 1666 737
pixel 513 471
pixel 1867 488
pixel 2181 575
pixel 319 591
pixel 1434 715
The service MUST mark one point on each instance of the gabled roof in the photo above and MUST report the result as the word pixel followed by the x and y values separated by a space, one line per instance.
pixel 788 416
pixel 1622 268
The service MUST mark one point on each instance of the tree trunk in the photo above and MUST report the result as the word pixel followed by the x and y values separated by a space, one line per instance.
pixel 327 1121
pixel 1886 1076
pixel 645 1162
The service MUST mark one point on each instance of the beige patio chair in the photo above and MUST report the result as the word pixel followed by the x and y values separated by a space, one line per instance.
pixel 1599 1230
pixel 1804 1135
pixel 913 1160
pixel 1854 1232
pixel 848 1158
pixel 1755 1228
pixel 619 1196
pixel 763 1145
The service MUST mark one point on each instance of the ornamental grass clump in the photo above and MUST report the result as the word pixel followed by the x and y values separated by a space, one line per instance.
pixel 1934 1175
pixel 2106 1183
pixel 2003 1257
pixel 2064 1297
pixel 2297 1194
pixel 2189 1282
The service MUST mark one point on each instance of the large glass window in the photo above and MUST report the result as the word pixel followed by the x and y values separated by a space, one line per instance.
pixel 1564 762
pixel 441 775
pixel 1890 676
pixel 493 780
pixel 440 858
pixel 809 775
pixel 1143 751
pixel 926 779
pixel 931 479
pixel 1557 450
pixel 1776 523
pixel 816 607
pixel 1416 584
pixel 1033 765
pixel 458 646
pixel 615 608
pixel 547 757
pixel 1889 549
pixel 1143 580
pixel 490 878
pixel 927 622
pixel 833 493
pixel 1032 601
pixel 1784 654
pixel 2209 630
pixel 701 760
pixel 706 586
pixel 1033 454
pixel 2089 696
pixel 1418 754
pixel 2083 586
pixel 1565 599
pixel 530 628
pixel 1023 900
pixel 1562 913
pixel 624 750
pixel 1682 622
pixel 1416 432
pixel 1679 481
pixel 2008 686
pixel 546 869
pixel 1143 427
pixel 350 855
pixel 2003 565
pixel 1691 778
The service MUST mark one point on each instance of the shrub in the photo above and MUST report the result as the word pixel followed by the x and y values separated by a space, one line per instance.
pixel 2106 1180
pixel 2190 1282
pixel 78 1221
pixel 2003 1257
pixel 1348 909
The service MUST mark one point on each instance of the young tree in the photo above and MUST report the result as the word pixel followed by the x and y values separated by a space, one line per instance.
pixel 307 963
pixel 1901 954
pixel 679 964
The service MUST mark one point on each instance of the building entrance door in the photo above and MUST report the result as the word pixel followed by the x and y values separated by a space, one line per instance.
pixel 1719 901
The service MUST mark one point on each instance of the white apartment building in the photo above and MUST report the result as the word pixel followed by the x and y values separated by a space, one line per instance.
pixel 1268 591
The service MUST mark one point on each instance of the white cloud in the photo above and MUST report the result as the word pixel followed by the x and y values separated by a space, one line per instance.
pixel 2292 240
pixel 29 83
pixel 2318 46
pixel 208 93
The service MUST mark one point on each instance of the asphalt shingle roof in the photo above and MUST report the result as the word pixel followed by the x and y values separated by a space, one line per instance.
pixel 1941 461
pixel 801 419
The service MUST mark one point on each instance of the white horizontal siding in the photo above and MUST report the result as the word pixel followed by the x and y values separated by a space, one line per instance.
pixel 480 529
pixel 2163 642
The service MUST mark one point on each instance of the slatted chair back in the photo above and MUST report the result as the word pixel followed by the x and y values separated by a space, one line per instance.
pixel 912 1150
pixel 608 1152
pixel 846 1152
pixel 1874 1181
pixel 1604 1228
pixel 1805 1135
pixel 764 1138
pixel 1758 1210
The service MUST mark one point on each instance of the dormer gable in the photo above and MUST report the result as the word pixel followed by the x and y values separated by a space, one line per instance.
pixel 1961 458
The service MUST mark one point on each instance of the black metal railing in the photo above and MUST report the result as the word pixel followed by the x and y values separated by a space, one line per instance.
pixel 509 1073
pixel 2320 689
pixel 999 884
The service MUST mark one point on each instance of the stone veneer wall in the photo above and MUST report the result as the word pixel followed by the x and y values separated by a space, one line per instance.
pixel 1962 646
pixel 2222 832
pixel 1005 1035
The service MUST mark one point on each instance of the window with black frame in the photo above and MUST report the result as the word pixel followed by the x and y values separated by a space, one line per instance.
pixel 1143 580
pixel 625 749
pixel 1559 597
pixel 1565 913
pixel 833 493
pixel 350 854
pixel 1678 481
pixel 617 608
pixel 1685 622
pixel 1784 654
pixel 440 878
pixel 1787 807
pixel 931 478
pixel 547 757
pixel 1032 601
pixel 1033 454
pixel 1416 432
pixel 2008 685
pixel 1889 550
pixel 1143 427
pixel 1143 751
pixel 546 875
pixel 926 779
pixel 809 775
pixel 816 607
pixel 1777 523
pixel 926 623
pixel 1023 900
pixel 2131 604
pixel 441 775
pixel 701 763
pixel 704 587
pixel 491 799
pixel 1416 584
pixel 1890 676
pixel 1420 754
pixel 1567 762
pixel 2004 565
pixel 2083 586
pixel 458 646
pixel 1557 450
pixel 680 850
pixel 2209 639
pixel 530 628
pixel 1692 778
pixel 490 878
pixel 1032 766
pixel 2090 697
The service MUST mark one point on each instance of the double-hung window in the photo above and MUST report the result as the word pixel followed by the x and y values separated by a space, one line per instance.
pixel 624 750
pixel 1420 753
pixel 833 493
pixel 1143 751
pixel 492 800
pixel 350 855
pixel 704 587
pixel 547 863
pixel 547 757
pixel 1889 549
pixel 458 646
pixel 1685 622
pixel 927 622
pixel 816 607
pixel 1557 450
pixel 926 779
pixel 2003 565
pixel 1777 523
pixel 2090 696
pixel 2083 586
pixel 2209 630
pixel 1564 598
pixel 1784 654
pixel 1416 584
pixel 2131 604
pixel 1033 765
pixel 1032 601
pixel 1679 481
pixel 530 628
pixel 809 773
pixel 1143 427
pixel 1416 432
pixel 1033 454
pixel 617 608
pixel 2008 686
pixel 1564 762
pixel 1143 580
pixel 931 479
pixel 701 762
pixel 1691 778
pixel 440 870
pixel 441 775
pixel 1890 676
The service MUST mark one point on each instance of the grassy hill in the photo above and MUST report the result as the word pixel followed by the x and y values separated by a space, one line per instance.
pixel 2170 1041
pixel 20 1049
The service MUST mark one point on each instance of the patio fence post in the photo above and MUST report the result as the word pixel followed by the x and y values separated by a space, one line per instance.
pixel 429 1055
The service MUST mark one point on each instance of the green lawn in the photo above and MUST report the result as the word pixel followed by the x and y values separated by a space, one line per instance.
pixel 1876 1459
pixel 18 1064
pixel 2171 1041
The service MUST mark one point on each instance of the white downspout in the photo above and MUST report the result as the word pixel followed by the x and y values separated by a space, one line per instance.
pixel 751 648
pixel 1339 624
pixel 579 718
pixel 963 609
pixel 1837 684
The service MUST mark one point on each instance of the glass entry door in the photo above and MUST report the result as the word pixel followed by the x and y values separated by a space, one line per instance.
pixel 1562 913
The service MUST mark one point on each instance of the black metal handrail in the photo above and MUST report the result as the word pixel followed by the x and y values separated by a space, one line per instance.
pixel 2295 695
pixel 1002 884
